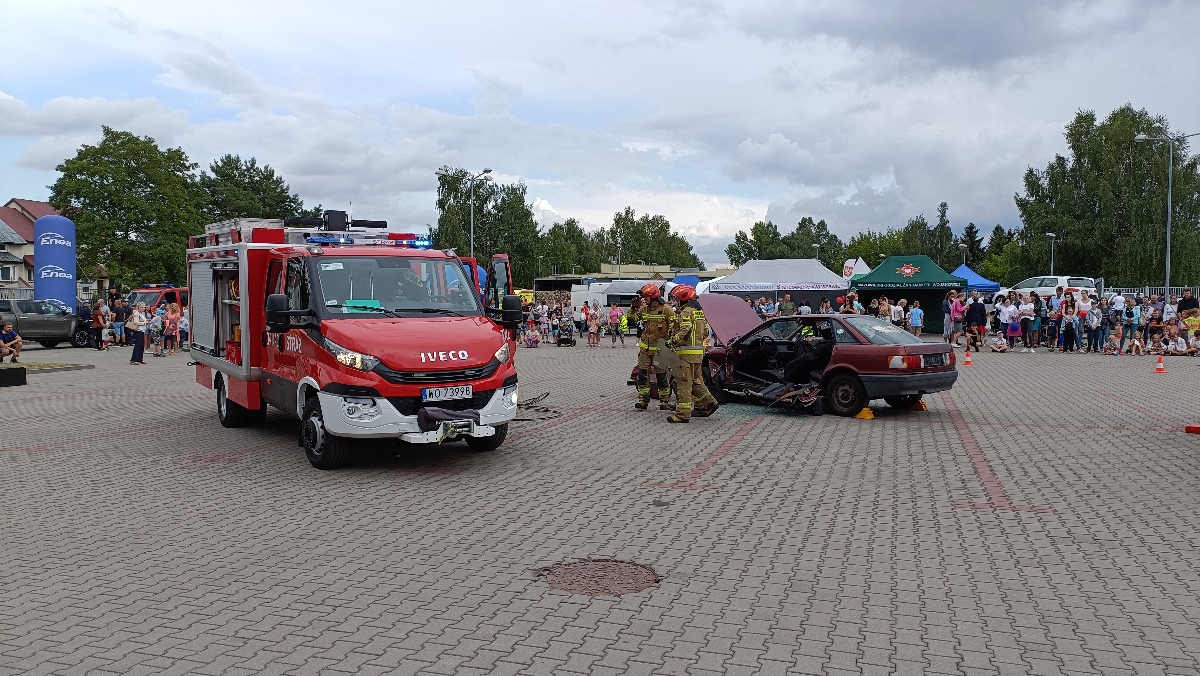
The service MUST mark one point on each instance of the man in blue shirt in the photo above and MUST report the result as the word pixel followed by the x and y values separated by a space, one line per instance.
pixel 10 342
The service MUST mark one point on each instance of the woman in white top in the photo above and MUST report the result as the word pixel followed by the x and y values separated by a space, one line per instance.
pixel 1008 314
pixel 1026 314
pixel 898 313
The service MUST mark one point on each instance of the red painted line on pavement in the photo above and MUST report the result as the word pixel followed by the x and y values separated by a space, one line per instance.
pixel 688 482
pixel 997 497
pixel 1141 409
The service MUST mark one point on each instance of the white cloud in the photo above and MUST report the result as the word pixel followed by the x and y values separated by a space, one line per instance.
pixel 714 114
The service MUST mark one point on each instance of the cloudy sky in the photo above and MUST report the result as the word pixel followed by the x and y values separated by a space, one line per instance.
pixel 715 114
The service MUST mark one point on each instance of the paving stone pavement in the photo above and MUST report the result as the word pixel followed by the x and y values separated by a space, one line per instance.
pixel 1044 518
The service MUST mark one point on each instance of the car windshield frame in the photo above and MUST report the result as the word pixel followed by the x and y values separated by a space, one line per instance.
pixel 879 332
pixel 354 287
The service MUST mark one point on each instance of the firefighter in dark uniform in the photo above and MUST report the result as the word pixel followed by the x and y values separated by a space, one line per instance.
pixel 655 316
pixel 688 333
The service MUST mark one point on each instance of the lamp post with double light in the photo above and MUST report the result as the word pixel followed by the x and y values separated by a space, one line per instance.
pixel 473 179
pixel 964 250
pixel 1053 237
pixel 1160 134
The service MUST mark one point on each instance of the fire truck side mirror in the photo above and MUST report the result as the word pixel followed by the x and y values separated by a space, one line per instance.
pixel 510 307
pixel 278 320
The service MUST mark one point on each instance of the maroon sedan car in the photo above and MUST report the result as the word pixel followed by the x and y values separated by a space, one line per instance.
pixel 849 359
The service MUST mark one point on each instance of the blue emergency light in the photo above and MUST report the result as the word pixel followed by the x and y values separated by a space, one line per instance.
pixel 415 243
pixel 326 239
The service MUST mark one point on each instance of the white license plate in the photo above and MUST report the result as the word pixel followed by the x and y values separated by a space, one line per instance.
pixel 445 393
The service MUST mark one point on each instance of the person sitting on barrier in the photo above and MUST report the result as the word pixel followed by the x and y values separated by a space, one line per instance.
pixel 1194 346
pixel 10 343
pixel 1175 344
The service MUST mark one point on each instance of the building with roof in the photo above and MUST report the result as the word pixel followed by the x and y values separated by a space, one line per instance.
pixel 16 241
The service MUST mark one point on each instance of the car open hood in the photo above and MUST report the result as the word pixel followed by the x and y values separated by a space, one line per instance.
pixel 729 316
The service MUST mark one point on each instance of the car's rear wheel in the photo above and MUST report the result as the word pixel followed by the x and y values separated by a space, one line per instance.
pixel 81 338
pixel 488 443
pixel 48 344
pixel 233 414
pixel 907 401
pixel 846 395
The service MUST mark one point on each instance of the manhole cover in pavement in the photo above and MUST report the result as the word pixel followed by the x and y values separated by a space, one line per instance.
pixel 600 578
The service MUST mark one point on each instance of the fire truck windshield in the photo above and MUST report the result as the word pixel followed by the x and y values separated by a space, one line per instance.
pixel 357 285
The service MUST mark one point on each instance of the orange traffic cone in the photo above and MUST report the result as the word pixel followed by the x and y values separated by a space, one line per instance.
pixel 967 361
pixel 1161 368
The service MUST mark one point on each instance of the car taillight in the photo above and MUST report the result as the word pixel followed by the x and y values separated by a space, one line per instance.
pixel 953 359
pixel 906 361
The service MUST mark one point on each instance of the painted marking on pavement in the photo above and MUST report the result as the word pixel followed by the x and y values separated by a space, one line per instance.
pixel 688 482
pixel 997 497
pixel 1175 427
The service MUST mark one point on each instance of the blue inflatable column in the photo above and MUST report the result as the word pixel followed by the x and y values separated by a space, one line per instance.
pixel 54 260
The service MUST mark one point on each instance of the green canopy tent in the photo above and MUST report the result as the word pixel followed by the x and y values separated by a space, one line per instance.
pixel 913 278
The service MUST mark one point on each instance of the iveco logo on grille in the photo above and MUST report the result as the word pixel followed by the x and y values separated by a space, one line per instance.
pixel 452 355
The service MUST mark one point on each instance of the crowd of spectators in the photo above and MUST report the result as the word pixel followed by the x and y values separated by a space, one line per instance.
pixel 115 323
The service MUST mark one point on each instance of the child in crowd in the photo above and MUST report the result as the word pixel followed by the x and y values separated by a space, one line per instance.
pixel 1136 346
pixel 1175 344
pixel 107 336
pixel 1155 346
pixel 1194 346
pixel 916 318
pixel 999 343
pixel 1113 346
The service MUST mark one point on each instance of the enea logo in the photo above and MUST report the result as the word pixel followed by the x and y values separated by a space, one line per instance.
pixel 54 272
pixel 54 239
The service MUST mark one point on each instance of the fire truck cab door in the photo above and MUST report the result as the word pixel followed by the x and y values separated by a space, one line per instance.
pixel 499 281
pixel 281 351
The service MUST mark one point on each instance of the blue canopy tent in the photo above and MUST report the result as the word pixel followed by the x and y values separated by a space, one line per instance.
pixel 690 280
pixel 975 282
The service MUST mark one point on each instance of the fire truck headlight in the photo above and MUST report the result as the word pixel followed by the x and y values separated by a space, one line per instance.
pixel 509 396
pixel 502 354
pixel 347 357
pixel 359 409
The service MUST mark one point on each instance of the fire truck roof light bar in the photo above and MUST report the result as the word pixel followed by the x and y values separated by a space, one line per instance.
pixel 332 221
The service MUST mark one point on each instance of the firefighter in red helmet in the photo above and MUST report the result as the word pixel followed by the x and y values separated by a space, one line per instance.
pixel 656 317
pixel 688 333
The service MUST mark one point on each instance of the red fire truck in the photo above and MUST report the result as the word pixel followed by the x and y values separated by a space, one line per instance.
pixel 358 334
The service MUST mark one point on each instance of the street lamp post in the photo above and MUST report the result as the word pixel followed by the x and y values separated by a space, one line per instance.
pixel 483 174
pixel 1053 237
pixel 539 266
pixel 964 248
pixel 618 255
pixel 817 251
pixel 1161 135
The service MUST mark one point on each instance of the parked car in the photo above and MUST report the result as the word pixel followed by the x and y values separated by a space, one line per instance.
pixel 46 322
pixel 848 360
pixel 1048 286
pixel 155 294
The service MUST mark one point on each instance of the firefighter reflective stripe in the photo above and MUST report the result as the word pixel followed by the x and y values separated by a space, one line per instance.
pixel 650 316
pixel 650 348
pixel 690 349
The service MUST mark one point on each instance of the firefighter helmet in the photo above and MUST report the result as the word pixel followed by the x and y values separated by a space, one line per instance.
pixel 651 291
pixel 683 293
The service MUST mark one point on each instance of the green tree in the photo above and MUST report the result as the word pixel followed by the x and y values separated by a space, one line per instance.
pixel 943 248
pixel 763 242
pixel 239 188
pixel 134 206
pixel 646 237
pixel 998 240
pixel 1106 203
pixel 873 246
pixel 974 242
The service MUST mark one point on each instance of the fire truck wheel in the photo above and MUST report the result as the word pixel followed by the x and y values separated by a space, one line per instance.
pixel 488 443
pixel 233 414
pixel 324 450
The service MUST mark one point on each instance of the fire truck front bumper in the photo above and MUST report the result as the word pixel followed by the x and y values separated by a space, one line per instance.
pixel 379 418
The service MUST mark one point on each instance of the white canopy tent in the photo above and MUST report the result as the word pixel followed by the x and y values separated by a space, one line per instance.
pixel 775 277
pixel 702 287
